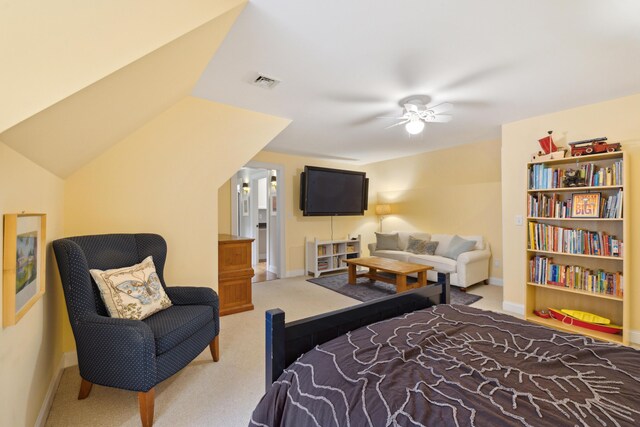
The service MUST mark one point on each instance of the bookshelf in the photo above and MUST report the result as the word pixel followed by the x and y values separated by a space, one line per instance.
pixel 579 263
pixel 323 256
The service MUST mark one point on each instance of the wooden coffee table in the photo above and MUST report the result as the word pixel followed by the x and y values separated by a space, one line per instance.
pixel 399 268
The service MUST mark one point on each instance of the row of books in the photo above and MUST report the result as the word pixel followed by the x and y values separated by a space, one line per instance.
pixel 544 205
pixel 545 237
pixel 592 175
pixel 322 250
pixel 542 270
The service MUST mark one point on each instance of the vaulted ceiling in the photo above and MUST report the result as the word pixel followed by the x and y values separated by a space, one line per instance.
pixel 82 76
pixel 344 63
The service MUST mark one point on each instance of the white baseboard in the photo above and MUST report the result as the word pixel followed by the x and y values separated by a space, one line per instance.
pixel 70 359
pixel 634 336
pixel 512 307
pixel 495 281
pixel 295 273
pixel 51 393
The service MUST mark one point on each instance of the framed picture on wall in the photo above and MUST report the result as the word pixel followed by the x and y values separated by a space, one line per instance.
pixel 274 205
pixel 245 206
pixel 23 265
pixel 585 205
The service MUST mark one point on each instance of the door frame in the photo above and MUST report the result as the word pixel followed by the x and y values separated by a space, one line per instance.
pixel 280 217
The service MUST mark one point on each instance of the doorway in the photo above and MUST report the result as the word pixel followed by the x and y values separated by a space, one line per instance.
pixel 257 213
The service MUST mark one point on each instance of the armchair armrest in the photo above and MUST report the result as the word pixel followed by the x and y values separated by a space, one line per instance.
pixel 472 256
pixel 116 352
pixel 192 295
pixel 372 248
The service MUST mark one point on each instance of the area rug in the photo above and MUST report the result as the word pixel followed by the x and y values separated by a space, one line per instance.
pixel 365 290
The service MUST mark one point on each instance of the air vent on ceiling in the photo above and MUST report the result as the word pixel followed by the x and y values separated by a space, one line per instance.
pixel 265 82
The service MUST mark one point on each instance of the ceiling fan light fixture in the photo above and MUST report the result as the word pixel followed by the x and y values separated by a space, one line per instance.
pixel 415 126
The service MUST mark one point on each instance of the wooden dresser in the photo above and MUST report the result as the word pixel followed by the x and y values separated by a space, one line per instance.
pixel 234 274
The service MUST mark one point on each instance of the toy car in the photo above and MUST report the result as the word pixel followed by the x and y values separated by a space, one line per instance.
pixel 593 146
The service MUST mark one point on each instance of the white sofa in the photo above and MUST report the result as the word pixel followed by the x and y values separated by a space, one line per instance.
pixel 470 267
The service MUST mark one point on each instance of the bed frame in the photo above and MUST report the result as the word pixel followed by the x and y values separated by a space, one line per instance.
pixel 286 342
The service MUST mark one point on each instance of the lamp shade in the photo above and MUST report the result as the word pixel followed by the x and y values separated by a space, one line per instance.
pixel 383 209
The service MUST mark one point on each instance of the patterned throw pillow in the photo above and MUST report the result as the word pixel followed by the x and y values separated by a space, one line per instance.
pixel 387 242
pixel 132 292
pixel 421 247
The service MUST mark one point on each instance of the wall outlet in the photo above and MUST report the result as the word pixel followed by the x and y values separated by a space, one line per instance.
pixel 519 220
pixel 496 263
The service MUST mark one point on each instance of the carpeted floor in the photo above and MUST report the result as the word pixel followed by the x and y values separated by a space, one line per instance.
pixel 366 290
pixel 214 394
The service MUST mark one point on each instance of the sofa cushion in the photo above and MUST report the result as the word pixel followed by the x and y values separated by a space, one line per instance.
pixel 441 264
pixel 478 239
pixel 443 242
pixel 387 241
pixel 172 326
pixel 403 238
pixel 397 255
pixel 459 245
pixel 421 247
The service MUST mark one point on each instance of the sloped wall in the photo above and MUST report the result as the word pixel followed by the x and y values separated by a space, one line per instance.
pixel 31 350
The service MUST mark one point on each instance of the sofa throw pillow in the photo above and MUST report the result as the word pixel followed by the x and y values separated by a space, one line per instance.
pixel 132 292
pixel 421 247
pixel 457 246
pixel 387 242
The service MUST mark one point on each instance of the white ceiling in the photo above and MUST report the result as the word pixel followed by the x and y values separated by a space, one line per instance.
pixel 342 63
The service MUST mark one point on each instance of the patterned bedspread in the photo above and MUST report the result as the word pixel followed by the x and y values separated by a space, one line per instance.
pixel 453 365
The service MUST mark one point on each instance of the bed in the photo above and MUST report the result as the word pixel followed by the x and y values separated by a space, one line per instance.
pixel 441 365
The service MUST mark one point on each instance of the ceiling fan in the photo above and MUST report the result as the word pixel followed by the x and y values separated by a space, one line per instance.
pixel 416 114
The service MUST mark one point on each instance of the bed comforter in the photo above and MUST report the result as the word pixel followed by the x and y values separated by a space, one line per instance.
pixel 453 365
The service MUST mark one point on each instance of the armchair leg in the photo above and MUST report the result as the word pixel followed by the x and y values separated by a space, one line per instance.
pixel 214 346
pixel 145 400
pixel 85 389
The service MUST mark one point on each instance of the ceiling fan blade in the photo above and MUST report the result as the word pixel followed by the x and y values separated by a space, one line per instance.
pixel 397 124
pixel 411 107
pixel 440 118
pixel 441 108
pixel 389 117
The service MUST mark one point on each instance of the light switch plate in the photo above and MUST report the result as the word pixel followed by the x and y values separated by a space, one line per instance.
pixel 519 220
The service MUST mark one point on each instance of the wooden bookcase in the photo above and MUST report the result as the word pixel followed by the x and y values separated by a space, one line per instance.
pixel 540 294
pixel 323 256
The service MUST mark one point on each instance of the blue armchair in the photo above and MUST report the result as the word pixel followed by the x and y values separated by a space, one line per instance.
pixel 132 354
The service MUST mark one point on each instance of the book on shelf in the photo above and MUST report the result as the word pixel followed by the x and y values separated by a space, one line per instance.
pixel 543 271
pixel 322 250
pixel 543 177
pixel 323 265
pixel 551 238
pixel 545 205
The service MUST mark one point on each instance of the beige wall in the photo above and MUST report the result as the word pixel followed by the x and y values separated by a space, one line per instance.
pixel 58 47
pixel 298 226
pixel 465 182
pixel 164 178
pixel 31 350
pixel 617 120
pixel 456 190
pixel 224 208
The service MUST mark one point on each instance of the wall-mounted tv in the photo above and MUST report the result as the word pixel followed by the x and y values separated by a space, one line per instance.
pixel 330 192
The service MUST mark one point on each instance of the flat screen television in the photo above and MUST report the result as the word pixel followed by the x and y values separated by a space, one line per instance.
pixel 330 192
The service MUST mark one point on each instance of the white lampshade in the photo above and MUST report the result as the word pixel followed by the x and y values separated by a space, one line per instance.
pixel 415 126
pixel 383 209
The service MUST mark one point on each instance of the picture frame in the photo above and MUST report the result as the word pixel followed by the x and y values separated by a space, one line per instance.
pixel 24 264
pixel 585 205
pixel 274 205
